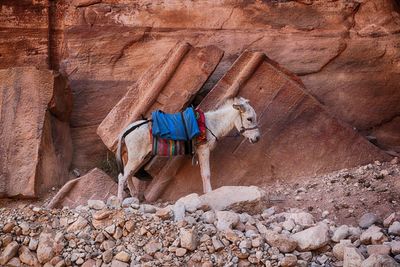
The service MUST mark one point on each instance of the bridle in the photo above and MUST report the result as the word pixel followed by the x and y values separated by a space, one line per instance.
pixel 241 131
pixel 244 129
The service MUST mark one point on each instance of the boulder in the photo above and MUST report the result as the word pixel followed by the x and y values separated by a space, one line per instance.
pixel 235 198
pixel 352 257
pixel 95 185
pixel 312 238
pixel 284 243
pixel 367 220
pixel 27 257
pixel 45 251
pixel 377 260
pixel 378 249
pixel 226 220
pixel 338 249
pixel 188 238
pixel 340 233
pixel 35 106
pixel 9 252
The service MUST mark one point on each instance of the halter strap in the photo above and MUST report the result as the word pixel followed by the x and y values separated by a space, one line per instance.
pixel 243 129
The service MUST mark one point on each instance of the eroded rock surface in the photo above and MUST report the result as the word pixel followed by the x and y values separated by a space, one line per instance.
pixel 35 152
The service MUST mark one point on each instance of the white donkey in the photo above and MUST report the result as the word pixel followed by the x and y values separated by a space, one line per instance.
pixel 235 112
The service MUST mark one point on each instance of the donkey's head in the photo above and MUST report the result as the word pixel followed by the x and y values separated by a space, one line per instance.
pixel 246 123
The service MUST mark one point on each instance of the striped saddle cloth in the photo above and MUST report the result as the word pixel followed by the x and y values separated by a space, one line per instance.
pixel 167 148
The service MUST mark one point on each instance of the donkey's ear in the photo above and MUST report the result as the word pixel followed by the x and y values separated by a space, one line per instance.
pixel 239 107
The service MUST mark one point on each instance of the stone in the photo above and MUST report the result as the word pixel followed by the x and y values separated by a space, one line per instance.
pixel 191 202
pixel 78 225
pixel 179 211
pixel 110 229
pixel 152 247
pixel 312 238
pixel 107 256
pixel 226 220
pixel 44 102
pixel 288 225
pixel 367 220
pixel 117 263
pixel 96 204
pixel 96 184
pixel 180 252
pixel 147 208
pixel 165 213
pixel 338 249
pixel 8 227
pixel 9 252
pixel 217 244
pixel 289 260
pixel 302 218
pixel 45 251
pixel 395 247
pixel 123 256
pixel 235 198
pixel 394 228
pixel 209 217
pixel 14 262
pixel 373 235
pixel 129 226
pixel 27 257
pixel 284 243
pixel 33 243
pixel 378 249
pixel 127 202
pixel 390 219
pixel 340 233
pixel 352 257
pixel 89 263
pixel 376 260
pixel 188 238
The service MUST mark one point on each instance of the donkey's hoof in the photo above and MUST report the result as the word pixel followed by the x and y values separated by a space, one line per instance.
pixel 114 202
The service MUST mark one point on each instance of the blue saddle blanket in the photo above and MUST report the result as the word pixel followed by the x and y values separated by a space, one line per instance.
pixel 171 126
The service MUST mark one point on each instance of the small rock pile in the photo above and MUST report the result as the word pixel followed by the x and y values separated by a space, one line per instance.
pixel 207 230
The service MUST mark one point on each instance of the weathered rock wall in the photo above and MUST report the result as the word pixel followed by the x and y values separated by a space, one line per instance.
pixel 35 141
pixel 345 52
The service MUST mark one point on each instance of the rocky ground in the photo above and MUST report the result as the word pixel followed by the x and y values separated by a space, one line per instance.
pixel 346 218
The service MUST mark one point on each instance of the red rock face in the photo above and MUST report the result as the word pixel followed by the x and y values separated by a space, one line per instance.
pixel 35 141
pixel 345 52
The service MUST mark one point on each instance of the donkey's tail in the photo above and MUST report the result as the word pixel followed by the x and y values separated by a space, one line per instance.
pixel 120 164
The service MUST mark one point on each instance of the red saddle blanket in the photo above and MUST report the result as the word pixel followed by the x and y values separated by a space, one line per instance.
pixel 168 148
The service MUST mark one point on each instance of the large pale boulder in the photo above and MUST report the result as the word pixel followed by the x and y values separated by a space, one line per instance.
pixel 312 238
pixel 236 198
pixel 352 257
pixel 95 185
pixel 35 144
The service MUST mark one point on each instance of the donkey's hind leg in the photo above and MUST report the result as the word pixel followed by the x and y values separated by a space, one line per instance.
pixel 204 160
pixel 129 170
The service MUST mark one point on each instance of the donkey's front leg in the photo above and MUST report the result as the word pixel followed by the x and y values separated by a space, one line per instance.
pixel 204 159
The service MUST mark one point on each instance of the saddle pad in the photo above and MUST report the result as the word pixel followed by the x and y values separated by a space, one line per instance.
pixel 178 126
pixel 167 148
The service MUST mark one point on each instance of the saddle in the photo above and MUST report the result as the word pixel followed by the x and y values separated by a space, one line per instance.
pixel 178 133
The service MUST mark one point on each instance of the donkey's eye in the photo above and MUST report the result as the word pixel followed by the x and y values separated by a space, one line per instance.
pixel 250 119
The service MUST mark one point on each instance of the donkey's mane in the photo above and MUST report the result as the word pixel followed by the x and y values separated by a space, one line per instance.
pixel 226 103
